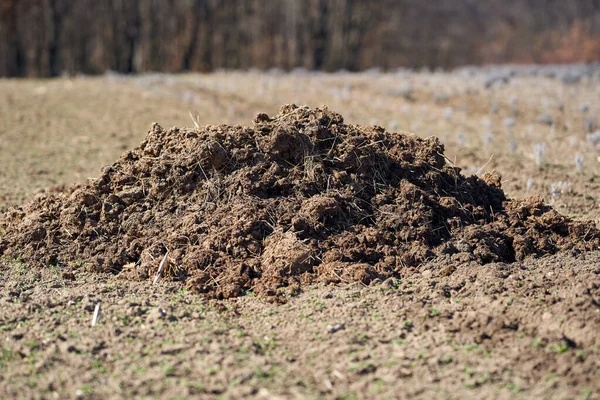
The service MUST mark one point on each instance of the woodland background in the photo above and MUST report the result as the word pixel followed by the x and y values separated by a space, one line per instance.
pixel 41 38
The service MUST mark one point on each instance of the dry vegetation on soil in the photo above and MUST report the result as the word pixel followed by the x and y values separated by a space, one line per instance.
pixel 449 290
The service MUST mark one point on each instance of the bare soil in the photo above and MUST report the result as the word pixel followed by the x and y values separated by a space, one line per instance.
pixel 395 273
pixel 520 330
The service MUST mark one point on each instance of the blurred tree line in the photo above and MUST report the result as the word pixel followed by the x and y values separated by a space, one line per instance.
pixel 51 37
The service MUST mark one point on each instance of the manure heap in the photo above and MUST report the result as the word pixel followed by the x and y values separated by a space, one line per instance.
pixel 297 199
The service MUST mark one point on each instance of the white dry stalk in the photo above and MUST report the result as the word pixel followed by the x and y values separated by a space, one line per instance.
pixel 512 145
pixel 579 159
pixel 96 315
pixel 488 139
pixel 196 124
pixel 539 150
pixel 514 105
pixel 530 183
pixel 160 268
pixel 461 139
pixel 554 191
pixel 509 122
pixel 559 188
pixel 593 138
pixel 448 112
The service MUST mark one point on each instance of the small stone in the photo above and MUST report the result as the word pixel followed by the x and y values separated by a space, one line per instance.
pixel 335 328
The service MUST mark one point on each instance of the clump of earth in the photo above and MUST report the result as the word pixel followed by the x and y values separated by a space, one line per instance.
pixel 297 199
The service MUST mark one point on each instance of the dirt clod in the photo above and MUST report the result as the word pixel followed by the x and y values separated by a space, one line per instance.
pixel 296 199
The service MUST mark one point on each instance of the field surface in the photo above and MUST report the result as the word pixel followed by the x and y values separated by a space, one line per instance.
pixel 526 329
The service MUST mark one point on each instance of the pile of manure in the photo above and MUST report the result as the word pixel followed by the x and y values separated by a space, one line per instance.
pixel 297 199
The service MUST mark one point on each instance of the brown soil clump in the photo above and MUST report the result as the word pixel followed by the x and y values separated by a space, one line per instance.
pixel 299 198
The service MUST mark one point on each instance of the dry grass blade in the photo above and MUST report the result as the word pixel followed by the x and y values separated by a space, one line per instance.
pixel 161 267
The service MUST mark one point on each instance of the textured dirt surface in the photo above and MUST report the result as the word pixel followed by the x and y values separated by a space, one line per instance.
pixel 300 198
pixel 501 331
pixel 451 327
